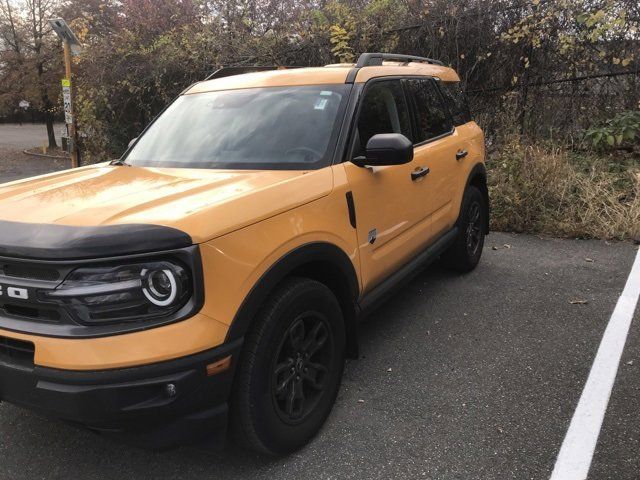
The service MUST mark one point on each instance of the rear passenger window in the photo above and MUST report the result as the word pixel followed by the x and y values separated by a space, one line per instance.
pixel 432 116
pixel 384 110
pixel 457 102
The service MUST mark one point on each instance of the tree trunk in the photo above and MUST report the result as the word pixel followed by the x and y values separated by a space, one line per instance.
pixel 51 134
pixel 48 115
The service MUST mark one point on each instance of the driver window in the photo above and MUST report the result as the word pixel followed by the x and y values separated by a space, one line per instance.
pixel 384 110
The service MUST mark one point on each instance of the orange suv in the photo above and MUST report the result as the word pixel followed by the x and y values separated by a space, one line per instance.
pixel 213 278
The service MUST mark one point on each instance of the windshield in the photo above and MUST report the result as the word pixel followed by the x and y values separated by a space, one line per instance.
pixel 284 128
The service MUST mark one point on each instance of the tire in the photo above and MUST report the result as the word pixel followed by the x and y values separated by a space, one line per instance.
pixel 290 369
pixel 464 254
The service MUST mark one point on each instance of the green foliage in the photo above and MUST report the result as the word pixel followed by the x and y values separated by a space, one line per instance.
pixel 340 39
pixel 623 128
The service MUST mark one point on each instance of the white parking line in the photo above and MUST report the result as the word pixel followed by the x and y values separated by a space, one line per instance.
pixel 579 444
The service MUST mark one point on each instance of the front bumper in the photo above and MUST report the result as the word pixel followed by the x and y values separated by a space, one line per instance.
pixel 158 405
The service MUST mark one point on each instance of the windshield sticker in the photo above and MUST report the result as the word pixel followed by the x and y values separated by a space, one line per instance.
pixel 326 93
pixel 321 103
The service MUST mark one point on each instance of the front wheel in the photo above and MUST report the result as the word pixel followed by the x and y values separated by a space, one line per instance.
pixel 466 250
pixel 290 370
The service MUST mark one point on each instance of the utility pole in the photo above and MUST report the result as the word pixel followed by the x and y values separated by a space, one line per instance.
pixel 71 126
pixel 70 44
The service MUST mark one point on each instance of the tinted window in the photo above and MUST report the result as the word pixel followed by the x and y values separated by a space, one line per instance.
pixel 384 110
pixel 257 128
pixel 433 117
pixel 457 102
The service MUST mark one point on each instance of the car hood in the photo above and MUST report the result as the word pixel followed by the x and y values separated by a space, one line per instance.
pixel 202 203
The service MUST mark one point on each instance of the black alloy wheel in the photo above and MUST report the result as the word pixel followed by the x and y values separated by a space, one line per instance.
pixel 464 253
pixel 301 370
pixel 474 229
pixel 290 369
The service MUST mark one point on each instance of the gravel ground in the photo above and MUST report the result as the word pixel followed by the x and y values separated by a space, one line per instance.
pixel 15 165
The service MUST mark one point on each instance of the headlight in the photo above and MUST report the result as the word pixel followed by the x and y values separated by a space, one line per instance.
pixel 123 293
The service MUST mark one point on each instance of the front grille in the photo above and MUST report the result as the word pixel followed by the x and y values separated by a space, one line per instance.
pixel 30 272
pixel 16 352
pixel 28 277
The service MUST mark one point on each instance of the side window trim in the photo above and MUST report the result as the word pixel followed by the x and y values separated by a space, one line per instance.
pixel 414 114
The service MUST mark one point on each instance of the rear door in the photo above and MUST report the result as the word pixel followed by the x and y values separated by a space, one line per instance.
pixel 436 144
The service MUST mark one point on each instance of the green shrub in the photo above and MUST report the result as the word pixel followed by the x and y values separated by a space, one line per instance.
pixel 623 128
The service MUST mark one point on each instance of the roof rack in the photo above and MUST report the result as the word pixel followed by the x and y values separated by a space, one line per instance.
pixel 229 71
pixel 376 59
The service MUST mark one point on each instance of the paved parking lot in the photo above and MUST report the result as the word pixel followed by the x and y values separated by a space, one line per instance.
pixel 26 135
pixel 461 377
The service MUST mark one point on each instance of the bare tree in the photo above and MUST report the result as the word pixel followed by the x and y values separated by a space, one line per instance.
pixel 30 64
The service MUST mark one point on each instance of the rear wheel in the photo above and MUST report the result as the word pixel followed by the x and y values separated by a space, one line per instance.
pixel 290 370
pixel 466 250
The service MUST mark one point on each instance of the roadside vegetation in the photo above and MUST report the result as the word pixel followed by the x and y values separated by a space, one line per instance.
pixel 554 84
pixel 543 188
pixel 587 187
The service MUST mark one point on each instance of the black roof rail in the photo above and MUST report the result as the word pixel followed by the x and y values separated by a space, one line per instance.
pixel 376 59
pixel 229 71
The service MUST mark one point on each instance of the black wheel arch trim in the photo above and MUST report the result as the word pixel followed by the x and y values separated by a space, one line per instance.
pixel 478 177
pixel 293 263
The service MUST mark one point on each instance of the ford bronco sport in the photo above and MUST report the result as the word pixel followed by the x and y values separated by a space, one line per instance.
pixel 212 279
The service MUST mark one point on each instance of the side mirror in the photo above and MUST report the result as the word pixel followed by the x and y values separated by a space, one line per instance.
pixel 386 149
pixel 132 141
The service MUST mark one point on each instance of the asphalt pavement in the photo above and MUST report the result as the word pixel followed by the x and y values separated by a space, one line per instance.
pixel 460 377
pixel 26 135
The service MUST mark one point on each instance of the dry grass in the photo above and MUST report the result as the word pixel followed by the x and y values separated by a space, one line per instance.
pixel 547 190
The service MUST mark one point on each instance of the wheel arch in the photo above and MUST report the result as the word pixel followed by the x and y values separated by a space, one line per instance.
pixel 321 261
pixel 478 178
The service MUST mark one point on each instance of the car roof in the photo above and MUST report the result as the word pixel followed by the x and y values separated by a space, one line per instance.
pixel 331 74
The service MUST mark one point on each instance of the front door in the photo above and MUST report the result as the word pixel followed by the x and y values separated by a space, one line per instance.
pixel 391 223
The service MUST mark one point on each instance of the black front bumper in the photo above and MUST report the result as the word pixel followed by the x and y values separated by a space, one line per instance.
pixel 157 405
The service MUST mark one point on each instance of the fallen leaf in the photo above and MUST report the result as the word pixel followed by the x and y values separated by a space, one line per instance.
pixel 578 302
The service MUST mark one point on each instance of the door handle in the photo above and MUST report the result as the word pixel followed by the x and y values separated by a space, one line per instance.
pixel 460 154
pixel 419 173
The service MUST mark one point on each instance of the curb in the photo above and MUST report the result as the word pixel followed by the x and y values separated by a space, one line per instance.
pixel 44 155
